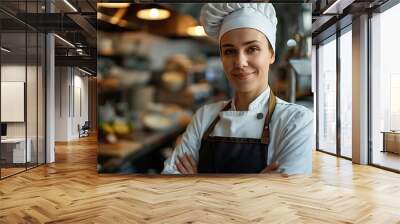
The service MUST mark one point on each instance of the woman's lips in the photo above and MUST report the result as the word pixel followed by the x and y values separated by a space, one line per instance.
pixel 244 76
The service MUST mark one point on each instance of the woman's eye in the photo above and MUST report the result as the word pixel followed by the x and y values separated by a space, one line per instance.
pixel 229 52
pixel 252 49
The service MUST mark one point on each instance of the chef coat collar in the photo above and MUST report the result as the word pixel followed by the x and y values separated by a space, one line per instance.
pixel 258 102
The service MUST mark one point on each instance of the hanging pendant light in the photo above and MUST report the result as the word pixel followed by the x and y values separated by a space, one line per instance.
pixel 196 31
pixel 153 14
pixel 112 5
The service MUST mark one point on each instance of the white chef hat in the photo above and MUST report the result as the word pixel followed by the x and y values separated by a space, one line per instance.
pixel 219 18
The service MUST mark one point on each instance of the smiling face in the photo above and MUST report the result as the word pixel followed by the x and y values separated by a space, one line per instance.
pixel 246 56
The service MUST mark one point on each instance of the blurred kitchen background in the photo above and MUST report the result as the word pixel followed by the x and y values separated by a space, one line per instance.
pixel 156 66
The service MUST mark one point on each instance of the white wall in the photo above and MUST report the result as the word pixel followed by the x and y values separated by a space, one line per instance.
pixel 61 103
pixel 80 93
pixel 70 83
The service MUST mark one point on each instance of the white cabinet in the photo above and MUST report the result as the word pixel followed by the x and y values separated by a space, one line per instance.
pixel 18 149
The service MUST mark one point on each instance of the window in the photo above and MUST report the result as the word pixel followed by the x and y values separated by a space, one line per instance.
pixel 327 97
pixel 346 94
pixel 385 85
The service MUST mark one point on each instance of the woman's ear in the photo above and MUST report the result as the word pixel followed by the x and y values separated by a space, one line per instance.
pixel 272 59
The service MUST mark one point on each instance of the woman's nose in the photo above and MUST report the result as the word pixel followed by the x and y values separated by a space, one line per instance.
pixel 240 60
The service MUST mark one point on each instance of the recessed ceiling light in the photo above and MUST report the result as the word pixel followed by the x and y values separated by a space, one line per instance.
pixel 337 7
pixel 64 40
pixel 84 71
pixel 70 5
pixel 153 14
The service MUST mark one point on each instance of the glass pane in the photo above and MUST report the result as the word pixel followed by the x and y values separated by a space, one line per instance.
pixel 14 152
pixel 22 67
pixel 41 99
pixel 386 89
pixel 314 84
pixel 327 97
pixel 346 94
pixel 31 97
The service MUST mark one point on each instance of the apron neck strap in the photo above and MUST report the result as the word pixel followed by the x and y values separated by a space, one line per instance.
pixel 271 109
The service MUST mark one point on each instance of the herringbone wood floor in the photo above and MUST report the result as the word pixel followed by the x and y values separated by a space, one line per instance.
pixel 71 191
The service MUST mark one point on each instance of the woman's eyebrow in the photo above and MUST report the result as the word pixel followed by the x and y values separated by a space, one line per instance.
pixel 227 45
pixel 250 42
pixel 245 43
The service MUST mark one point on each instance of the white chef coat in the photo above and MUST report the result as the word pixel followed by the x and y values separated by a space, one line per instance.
pixel 291 132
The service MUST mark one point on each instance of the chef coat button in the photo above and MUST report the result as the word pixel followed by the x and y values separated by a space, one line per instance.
pixel 260 116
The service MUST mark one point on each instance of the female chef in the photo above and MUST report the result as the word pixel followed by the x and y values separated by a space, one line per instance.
pixel 255 131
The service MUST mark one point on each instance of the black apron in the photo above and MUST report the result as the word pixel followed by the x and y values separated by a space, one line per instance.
pixel 235 155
